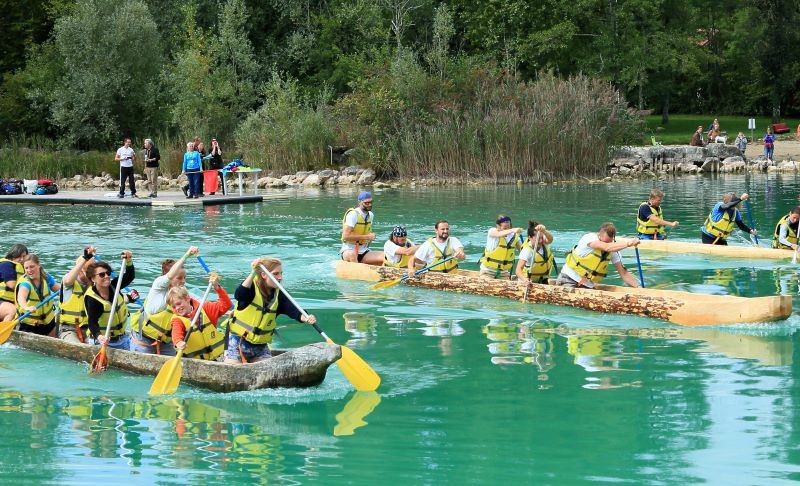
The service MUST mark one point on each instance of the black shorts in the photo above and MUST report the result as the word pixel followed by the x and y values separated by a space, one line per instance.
pixel 40 330
pixel 359 257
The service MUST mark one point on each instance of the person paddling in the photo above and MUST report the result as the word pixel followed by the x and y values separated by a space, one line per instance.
pixel 437 249
pixel 502 243
pixel 785 234
pixel 204 341
pixel 587 262
pixel 259 302
pixel 98 299
pixel 535 266
pixel 720 220
pixel 398 249
pixel 72 320
pixel 152 328
pixel 650 221
pixel 34 287
pixel 11 270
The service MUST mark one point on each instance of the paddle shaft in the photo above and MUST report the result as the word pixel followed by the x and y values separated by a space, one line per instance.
pixel 112 312
pixel 750 217
pixel 639 265
pixel 197 313
pixel 425 269
pixel 533 261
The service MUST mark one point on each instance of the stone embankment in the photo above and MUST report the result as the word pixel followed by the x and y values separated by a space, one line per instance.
pixel 685 159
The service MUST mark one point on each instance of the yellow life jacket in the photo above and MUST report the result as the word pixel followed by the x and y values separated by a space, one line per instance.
pixel 648 227
pixel 502 257
pixel 7 293
pixel 363 226
pixel 72 311
pixel 722 228
pixel 120 318
pixel 438 256
pixel 403 258
pixel 205 341
pixel 256 322
pixel 791 236
pixel 156 326
pixel 45 314
pixel 593 266
pixel 539 270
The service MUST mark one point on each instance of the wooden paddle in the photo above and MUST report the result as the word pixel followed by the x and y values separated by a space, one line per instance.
pixel 533 261
pixel 169 376
pixel 352 366
pixel 391 283
pixel 7 326
pixel 100 361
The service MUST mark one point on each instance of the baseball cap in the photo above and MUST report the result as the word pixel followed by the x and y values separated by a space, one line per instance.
pixel 364 195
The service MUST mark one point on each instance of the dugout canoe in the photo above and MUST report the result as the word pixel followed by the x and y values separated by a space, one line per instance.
pixel 741 252
pixel 678 307
pixel 296 368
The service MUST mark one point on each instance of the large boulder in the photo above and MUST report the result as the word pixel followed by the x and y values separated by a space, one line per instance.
pixel 367 177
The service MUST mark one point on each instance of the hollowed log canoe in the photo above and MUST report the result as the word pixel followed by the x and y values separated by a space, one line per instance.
pixel 741 252
pixel 296 368
pixel 678 307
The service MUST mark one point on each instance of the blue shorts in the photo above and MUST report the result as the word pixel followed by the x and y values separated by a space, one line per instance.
pixel 251 352
pixel 651 237
pixel 122 342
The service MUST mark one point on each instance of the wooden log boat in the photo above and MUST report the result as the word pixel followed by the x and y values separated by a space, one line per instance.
pixel 674 306
pixel 741 252
pixel 301 367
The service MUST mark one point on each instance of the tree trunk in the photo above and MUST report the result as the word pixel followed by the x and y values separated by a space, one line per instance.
pixel 665 109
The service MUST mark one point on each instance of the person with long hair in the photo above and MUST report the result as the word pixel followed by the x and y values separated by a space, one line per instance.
pixel 259 302
pixel 11 270
pixel 535 266
pixel 33 288
pixel 99 299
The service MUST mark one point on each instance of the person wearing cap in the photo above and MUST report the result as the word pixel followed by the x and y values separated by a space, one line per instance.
pixel 357 233
pixel 436 249
pixel 398 249
pixel 502 243
pixel 650 220
pixel 720 221
pixel 587 262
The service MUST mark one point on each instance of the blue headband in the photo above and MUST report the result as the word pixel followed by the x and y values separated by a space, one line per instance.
pixel 364 196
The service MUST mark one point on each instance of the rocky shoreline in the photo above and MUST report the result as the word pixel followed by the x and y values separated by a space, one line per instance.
pixel 625 163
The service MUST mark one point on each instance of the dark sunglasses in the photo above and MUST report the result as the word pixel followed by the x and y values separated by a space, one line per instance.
pixel 102 274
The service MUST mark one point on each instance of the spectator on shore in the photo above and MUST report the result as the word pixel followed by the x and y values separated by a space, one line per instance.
pixel 697 138
pixel 192 167
pixel 125 156
pixel 216 162
pixel 769 144
pixel 713 131
pixel 151 164
pixel 741 143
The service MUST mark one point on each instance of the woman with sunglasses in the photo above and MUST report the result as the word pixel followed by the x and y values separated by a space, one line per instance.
pixel 34 287
pixel 98 300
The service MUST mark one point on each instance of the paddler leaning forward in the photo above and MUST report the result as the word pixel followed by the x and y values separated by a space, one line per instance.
pixel 73 321
pixel 258 304
pixel 151 328
pixel 720 221
pixel 587 262
pixel 436 249
pixel 98 301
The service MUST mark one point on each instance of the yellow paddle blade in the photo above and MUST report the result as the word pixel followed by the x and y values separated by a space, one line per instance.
pixel 100 361
pixel 386 284
pixel 168 377
pixel 357 371
pixel 5 330
pixel 352 415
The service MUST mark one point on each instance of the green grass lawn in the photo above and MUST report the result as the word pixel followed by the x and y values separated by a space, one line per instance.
pixel 680 128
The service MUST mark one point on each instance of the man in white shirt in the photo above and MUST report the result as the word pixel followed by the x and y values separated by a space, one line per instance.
pixel 398 249
pixel 498 258
pixel 437 249
pixel 587 263
pixel 125 156
pixel 357 233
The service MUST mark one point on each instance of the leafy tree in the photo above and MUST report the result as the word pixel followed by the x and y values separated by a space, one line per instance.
pixel 111 58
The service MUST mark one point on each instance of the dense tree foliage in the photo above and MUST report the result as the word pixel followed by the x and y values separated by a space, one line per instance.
pixel 87 72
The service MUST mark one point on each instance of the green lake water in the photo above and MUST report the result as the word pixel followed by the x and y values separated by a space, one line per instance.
pixel 475 390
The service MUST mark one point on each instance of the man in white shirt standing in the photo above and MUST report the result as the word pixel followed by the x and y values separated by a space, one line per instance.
pixel 125 156
pixel 357 233
pixel 587 262
pixel 437 249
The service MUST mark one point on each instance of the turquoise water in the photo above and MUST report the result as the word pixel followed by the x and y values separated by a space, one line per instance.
pixel 475 390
